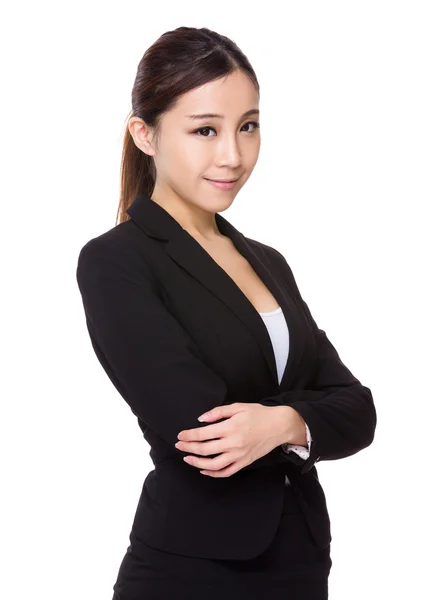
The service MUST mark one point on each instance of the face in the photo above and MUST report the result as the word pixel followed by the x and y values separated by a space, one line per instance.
pixel 190 150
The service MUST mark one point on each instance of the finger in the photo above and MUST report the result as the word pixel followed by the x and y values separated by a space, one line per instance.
pixel 202 448
pixel 221 412
pixel 227 472
pixel 211 464
pixel 209 432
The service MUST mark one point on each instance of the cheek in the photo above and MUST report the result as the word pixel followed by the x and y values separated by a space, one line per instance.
pixel 250 164
pixel 190 158
pixel 252 155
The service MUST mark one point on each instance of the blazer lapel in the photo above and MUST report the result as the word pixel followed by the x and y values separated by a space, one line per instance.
pixel 191 256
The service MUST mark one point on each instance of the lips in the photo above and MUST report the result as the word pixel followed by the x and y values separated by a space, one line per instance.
pixel 222 180
pixel 222 185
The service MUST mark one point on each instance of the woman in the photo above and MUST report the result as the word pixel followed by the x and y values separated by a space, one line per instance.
pixel 190 318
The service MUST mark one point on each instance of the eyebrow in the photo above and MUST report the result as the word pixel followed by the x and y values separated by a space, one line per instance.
pixel 253 111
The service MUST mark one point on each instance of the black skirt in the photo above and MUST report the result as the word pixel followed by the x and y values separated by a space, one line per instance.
pixel 291 567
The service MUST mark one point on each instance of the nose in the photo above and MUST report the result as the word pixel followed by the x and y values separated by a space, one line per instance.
pixel 228 152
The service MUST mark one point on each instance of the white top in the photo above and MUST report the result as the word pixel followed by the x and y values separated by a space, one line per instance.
pixel 278 331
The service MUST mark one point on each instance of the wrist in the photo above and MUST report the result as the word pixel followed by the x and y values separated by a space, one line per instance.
pixel 292 429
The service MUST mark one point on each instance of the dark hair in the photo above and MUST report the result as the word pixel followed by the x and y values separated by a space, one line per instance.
pixel 179 61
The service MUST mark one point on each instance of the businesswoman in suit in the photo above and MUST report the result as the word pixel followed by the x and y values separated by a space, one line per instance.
pixel 204 333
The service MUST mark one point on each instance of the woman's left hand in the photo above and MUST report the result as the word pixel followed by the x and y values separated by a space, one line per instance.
pixel 249 431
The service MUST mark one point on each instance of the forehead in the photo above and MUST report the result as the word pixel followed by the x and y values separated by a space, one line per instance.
pixel 228 96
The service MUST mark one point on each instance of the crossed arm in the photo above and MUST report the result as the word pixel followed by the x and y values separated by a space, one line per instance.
pixel 122 303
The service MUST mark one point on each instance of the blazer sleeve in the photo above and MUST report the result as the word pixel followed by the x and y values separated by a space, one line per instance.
pixel 337 408
pixel 149 357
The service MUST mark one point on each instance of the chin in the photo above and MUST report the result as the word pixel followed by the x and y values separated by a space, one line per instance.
pixel 216 205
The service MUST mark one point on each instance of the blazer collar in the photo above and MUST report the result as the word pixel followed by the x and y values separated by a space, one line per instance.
pixel 184 249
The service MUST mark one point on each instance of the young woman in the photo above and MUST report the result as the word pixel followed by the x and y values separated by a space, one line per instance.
pixel 204 333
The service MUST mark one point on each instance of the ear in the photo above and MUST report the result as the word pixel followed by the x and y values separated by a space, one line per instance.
pixel 142 135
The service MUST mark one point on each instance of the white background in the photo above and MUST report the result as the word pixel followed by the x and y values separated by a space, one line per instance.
pixel 350 187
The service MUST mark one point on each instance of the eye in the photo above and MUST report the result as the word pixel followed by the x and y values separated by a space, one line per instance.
pixel 256 125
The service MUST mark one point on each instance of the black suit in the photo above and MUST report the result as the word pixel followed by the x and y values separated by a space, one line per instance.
pixel 177 337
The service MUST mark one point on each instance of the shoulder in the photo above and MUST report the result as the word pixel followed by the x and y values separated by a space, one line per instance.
pixel 125 241
pixel 123 252
pixel 268 252
pixel 111 241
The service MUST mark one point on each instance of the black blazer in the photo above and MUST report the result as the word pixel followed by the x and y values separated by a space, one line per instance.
pixel 177 337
